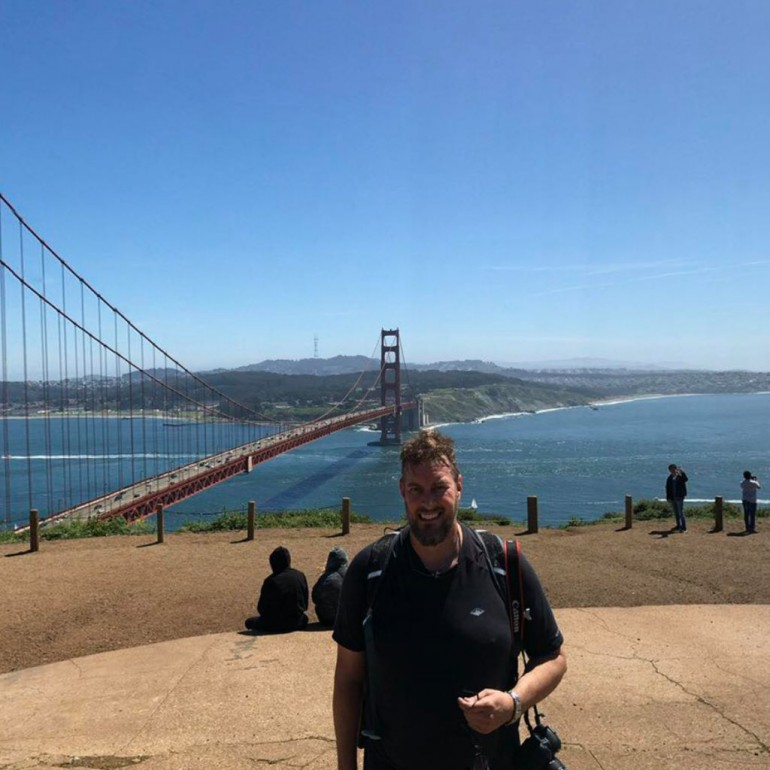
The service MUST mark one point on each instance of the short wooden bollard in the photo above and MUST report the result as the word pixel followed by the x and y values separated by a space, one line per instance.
pixel 250 520
pixel 159 512
pixel 34 530
pixel 345 515
pixel 532 514
pixel 719 521
pixel 629 511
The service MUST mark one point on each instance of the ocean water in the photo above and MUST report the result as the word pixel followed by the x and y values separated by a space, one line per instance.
pixel 579 462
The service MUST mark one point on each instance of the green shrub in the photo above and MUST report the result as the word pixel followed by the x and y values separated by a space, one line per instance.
pixel 577 521
pixel 647 510
pixel 70 530
pixel 472 516
pixel 650 510
pixel 9 536
pixel 328 518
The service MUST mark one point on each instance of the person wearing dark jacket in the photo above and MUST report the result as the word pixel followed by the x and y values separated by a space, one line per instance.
pixel 676 491
pixel 749 487
pixel 283 598
pixel 326 591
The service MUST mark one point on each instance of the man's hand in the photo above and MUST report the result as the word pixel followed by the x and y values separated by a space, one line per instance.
pixel 487 710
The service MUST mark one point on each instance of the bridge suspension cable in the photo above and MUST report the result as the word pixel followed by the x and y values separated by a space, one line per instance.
pixel 86 398
pixel 89 404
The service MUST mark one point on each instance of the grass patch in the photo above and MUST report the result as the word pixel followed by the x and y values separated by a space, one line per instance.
pixel 472 517
pixel 654 510
pixel 71 530
pixel 322 518
pixel 579 521
pixel 326 518
pixel 330 518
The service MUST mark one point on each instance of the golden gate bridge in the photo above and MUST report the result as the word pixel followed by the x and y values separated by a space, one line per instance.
pixel 97 420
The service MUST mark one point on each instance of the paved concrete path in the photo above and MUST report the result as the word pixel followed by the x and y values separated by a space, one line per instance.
pixel 647 688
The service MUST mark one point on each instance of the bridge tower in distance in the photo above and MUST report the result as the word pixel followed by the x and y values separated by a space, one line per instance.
pixel 390 386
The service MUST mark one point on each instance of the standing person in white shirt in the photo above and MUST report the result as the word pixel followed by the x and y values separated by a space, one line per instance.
pixel 749 487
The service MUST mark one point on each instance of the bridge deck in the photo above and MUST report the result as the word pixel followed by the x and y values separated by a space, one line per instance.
pixel 142 499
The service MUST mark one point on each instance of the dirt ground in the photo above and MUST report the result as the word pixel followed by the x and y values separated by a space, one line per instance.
pixel 74 598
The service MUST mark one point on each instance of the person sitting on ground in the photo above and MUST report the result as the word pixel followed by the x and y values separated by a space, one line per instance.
pixel 283 598
pixel 326 591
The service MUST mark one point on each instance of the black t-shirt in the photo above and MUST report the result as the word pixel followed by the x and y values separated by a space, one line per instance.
pixel 436 638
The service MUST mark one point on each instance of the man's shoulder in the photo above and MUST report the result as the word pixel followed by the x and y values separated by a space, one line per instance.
pixel 359 564
pixel 377 550
pixel 481 540
pixel 373 558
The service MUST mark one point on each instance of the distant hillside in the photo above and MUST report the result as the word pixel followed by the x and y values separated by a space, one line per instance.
pixel 459 391
pixel 505 397
pixel 452 391
pixel 613 382
pixel 319 367
pixel 572 364
pixel 613 379
pixel 322 367
pixel 356 364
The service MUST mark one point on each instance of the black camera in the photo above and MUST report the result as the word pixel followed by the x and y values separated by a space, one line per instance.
pixel 538 752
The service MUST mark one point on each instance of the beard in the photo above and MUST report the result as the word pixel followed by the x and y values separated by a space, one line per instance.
pixel 431 533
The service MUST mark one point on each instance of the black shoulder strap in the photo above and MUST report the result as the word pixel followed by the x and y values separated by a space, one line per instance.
pixel 379 558
pixel 503 559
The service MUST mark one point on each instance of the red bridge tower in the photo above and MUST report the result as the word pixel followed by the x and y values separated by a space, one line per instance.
pixel 390 386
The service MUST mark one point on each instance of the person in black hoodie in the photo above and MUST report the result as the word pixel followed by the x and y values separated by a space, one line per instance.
pixel 676 491
pixel 326 591
pixel 283 598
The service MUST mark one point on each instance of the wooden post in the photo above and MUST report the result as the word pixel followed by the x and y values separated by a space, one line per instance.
pixel 34 526
pixel 250 520
pixel 532 514
pixel 159 511
pixel 629 511
pixel 345 515
pixel 719 521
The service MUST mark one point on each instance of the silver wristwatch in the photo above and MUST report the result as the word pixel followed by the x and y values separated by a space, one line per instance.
pixel 517 709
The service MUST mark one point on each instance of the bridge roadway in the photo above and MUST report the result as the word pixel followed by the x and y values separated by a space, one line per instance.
pixel 142 499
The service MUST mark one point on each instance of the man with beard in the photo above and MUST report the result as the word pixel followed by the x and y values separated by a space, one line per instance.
pixel 438 664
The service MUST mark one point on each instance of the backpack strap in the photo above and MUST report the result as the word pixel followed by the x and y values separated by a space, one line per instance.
pixel 379 558
pixel 505 565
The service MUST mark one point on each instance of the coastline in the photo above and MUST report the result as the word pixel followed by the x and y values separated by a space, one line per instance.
pixel 613 401
pixel 590 404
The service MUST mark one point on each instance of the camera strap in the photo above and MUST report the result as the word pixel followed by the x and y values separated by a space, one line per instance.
pixel 515 615
pixel 518 617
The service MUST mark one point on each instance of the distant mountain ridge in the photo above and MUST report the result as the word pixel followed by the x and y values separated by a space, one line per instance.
pixel 322 367
pixel 354 364
pixel 576 364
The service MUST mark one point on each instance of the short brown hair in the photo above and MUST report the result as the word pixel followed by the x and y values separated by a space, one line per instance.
pixel 432 448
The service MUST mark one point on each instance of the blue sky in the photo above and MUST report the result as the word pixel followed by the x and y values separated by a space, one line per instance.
pixel 511 181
